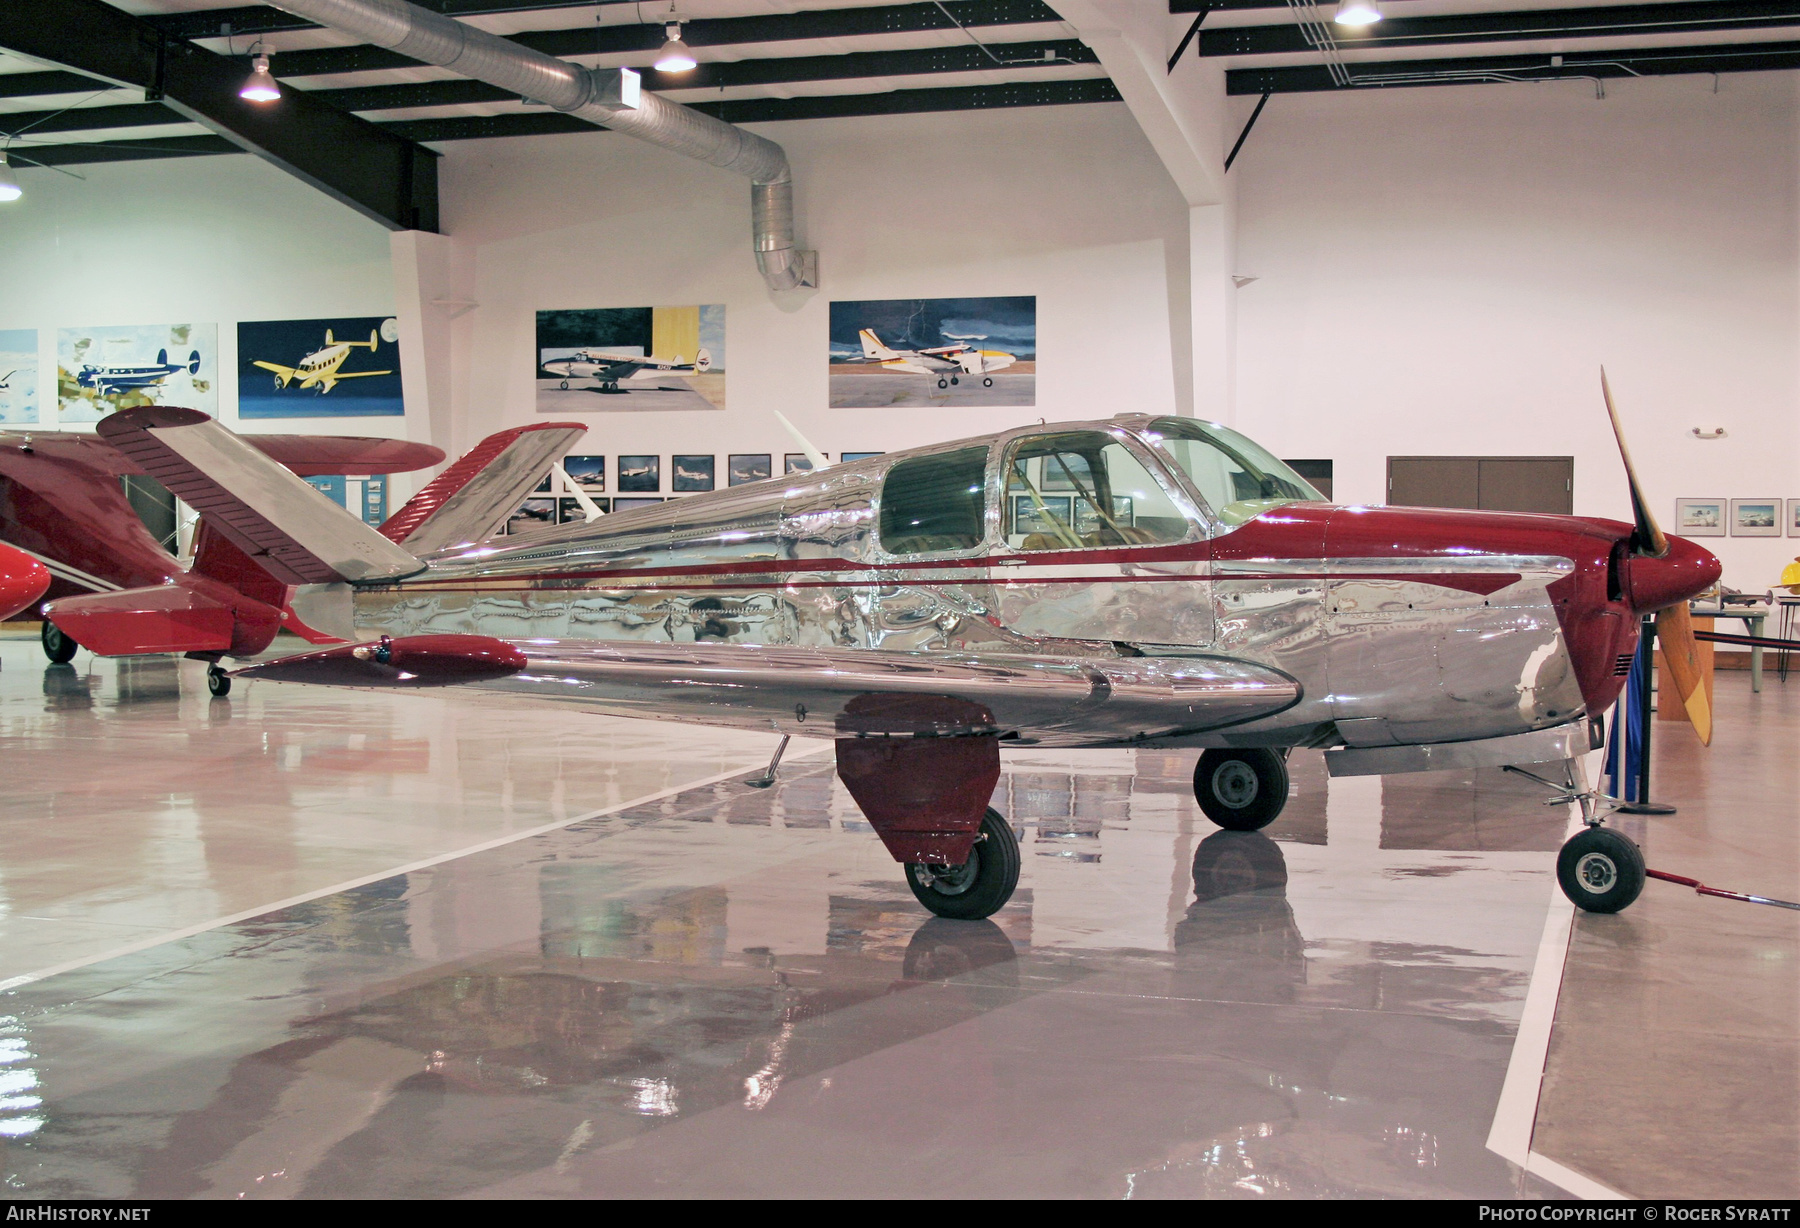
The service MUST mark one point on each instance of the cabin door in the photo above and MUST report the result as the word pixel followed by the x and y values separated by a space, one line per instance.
pixel 1086 527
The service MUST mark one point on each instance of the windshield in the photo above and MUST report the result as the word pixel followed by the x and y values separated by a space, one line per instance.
pixel 1237 478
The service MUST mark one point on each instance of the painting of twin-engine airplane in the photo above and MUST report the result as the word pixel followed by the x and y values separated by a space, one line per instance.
pixel 346 367
pixel 102 369
pixel 1131 582
pixel 631 359
pixel 942 351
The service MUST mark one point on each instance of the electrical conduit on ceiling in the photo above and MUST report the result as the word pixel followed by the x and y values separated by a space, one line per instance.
pixel 608 97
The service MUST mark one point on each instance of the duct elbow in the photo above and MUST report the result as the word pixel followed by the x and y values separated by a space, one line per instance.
pixel 788 268
pixel 783 266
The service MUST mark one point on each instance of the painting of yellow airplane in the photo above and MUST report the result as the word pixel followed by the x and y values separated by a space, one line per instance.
pixel 323 368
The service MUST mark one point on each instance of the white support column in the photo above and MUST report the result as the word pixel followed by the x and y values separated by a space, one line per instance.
pixel 1212 261
pixel 1184 116
pixel 432 275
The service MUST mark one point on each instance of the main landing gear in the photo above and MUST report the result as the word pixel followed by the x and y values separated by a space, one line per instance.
pixel 218 682
pixel 58 646
pixel 979 886
pixel 945 383
pixel 1241 790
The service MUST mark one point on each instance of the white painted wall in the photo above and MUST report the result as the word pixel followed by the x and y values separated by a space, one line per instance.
pixel 1443 271
pixel 206 240
pixel 1066 203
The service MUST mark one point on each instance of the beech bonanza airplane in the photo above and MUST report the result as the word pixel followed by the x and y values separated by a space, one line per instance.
pixel 609 369
pixel 1134 582
pixel 943 361
pixel 321 368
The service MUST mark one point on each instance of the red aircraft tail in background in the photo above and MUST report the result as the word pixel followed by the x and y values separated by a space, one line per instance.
pixel 116 589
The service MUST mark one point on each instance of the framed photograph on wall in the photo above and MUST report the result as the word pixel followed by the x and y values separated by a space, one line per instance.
pixel 748 467
pixel 847 457
pixel 570 511
pixel 690 474
pixel 640 475
pixel 797 462
pixel 1756 517
pixel 1699 518
pixel 587 472
pixel 532 515
pixel 626 505
pixel 1793 517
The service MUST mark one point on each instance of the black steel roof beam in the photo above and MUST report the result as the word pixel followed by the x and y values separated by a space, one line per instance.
pixel 1601 21
pixel 88 119
pixel 703 33
pixel 35 84
pixel 460 91
pixel 748 110
pixel 252 19
pixel 1656 62
pixel 379 174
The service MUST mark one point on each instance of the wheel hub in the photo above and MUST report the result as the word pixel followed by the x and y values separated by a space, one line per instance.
pixel 1596 872
pixel 1234 784
pixel 948 880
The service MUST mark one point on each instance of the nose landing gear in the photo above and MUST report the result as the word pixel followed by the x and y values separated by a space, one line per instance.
pixel 1599 869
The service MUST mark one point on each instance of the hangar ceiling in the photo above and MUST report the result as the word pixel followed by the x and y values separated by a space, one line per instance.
pixel 80 87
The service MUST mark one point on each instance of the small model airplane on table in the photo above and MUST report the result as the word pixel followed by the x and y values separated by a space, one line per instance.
pixel 1132 582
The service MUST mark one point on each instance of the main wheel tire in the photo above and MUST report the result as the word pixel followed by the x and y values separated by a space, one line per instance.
pixel 1241 790
pixel 988 382
pixel 1600 870
pixel 59 647
pixel 943 383
pixel 218 682
pixel 980 886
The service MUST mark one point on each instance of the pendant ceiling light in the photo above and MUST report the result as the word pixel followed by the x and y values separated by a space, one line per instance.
pixel 674 56
pixel 9 184
pixel 260 86
pixel 1358 12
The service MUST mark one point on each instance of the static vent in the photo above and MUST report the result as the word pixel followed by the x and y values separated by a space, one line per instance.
pixel 1622 666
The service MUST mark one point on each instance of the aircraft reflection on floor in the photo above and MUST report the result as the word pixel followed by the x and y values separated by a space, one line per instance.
pixel 723 990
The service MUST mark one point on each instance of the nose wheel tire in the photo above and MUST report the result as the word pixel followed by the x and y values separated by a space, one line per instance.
pixel 1241 790
pixel 980 886
pixel 1600 870
pixel 218 682
pixel 59 647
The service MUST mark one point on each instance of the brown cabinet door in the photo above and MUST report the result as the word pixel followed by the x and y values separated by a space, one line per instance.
pixel 1491 483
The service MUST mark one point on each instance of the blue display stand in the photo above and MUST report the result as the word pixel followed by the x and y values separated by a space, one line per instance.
pixel 1626 773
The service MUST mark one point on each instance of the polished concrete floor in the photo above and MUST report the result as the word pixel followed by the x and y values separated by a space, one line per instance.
pixel 311 943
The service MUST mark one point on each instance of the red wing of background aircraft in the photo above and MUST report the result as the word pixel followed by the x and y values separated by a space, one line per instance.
pixel 62 504
pixel 22 581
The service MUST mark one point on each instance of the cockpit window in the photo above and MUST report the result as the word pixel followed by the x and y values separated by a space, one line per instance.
pixel 1081 489
pixel 934 503
pixel 1237 478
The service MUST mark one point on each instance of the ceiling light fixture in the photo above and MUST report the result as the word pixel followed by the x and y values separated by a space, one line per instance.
pixel 1358 12
pixel 9 183
pixel 260 86
pixel 674 56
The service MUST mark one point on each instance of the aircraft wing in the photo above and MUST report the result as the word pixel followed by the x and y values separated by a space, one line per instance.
pixel 468 500
pixel 286 373
pixel 358 374
pixel 916 368
pixel 829 692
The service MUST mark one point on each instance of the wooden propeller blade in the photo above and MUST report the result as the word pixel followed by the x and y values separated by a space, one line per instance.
pixel 1675 631
pixel 1648 539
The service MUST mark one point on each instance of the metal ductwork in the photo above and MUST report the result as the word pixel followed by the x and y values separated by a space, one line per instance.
pixel 609 97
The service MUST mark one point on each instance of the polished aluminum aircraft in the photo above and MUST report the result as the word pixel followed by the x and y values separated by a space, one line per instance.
pixel 1132 582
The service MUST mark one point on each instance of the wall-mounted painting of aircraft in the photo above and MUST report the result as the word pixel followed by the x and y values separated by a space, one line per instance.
pixel 1132 582
pixel 107 381
pixel 324 367
pixel 320 368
